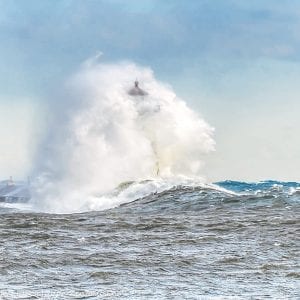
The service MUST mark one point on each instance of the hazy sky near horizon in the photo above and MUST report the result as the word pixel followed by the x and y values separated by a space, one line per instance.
pixel 236 62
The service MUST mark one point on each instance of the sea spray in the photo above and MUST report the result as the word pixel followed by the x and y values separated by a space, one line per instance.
pixel 101 136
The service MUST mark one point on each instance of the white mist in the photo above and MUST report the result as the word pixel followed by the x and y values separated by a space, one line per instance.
pixel 100 136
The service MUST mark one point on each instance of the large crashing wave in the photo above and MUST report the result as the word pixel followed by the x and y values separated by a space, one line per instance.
pixel 101 136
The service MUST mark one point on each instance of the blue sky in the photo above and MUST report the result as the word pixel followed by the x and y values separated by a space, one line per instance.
pixel 234 61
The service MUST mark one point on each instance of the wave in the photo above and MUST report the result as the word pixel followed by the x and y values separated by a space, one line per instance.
pixel 180 195
pixel 265 185
pixel 201 199
pixel 103 132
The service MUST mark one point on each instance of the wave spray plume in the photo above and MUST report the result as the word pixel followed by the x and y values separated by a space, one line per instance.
pixel 101 135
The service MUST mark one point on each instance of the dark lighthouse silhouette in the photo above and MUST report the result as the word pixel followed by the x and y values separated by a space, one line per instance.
pixel 136 90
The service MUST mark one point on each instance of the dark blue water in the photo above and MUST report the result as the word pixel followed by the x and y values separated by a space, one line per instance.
pixel 266 186
pixel 233 240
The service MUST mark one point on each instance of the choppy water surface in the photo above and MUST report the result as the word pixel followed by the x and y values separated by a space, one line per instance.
pixel 186 242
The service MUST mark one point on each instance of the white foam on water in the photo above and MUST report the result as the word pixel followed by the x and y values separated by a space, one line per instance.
pixel 19 206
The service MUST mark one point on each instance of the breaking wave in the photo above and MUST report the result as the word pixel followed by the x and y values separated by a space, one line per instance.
pixel 101 136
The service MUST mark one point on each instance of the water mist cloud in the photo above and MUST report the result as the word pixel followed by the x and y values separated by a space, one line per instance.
pixel 100 136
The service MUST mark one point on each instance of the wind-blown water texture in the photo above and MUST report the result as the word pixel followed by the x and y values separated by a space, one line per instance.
pixel 184 242
pixel 100 136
